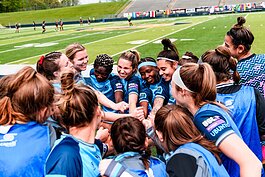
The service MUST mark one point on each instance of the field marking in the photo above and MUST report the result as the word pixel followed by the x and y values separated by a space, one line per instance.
pixel 159 38
pixel 83 44
pixel 52 41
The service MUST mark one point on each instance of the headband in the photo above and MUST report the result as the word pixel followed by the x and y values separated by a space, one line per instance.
pixel 164 58
pixel 147 63
pixel 186 57
pixel 178 81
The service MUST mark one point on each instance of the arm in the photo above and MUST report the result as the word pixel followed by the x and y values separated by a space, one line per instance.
pixel 233 147
pixel 111 116
pixel 144 105
pixel 158 103
pixel 110 104
pixel 118 96
pixel 133 99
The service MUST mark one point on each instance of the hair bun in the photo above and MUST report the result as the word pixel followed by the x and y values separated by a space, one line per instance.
pixel 241 21
pixel 166 43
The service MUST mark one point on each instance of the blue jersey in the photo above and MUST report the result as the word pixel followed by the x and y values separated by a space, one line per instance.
pixel 163 91
pixel 147 93
pixel 242 105
pixel 108 87
pixel 130 86
pixel 252 71
pixel 212 168
pixel 73 158
pixel 79 79
pixel 131 163
pixel 216 125
pixel 24 149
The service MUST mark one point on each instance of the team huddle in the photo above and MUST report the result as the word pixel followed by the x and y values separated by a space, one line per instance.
pixel 204 116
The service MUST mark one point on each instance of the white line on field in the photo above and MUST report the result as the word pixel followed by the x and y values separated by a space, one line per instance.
pixel 162 37
pixel 53 41
pixel 83 44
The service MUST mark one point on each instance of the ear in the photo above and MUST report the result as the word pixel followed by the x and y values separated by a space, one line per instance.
pixel 56 73
pixel 146 143
pixel 175 65
pixel 241 49
pixel 160 136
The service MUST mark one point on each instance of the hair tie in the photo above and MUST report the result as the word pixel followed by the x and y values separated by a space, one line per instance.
pixel 41 60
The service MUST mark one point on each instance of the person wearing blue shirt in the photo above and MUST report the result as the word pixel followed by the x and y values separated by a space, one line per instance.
pixel 167 62
pixel 245 102
pixel 103 80
pixel 127 68
pixel 76 154
pixel 150 80
pixel 250 66
pixel 133 156
pixel 187 151
pixel 194 87
pixel 25 141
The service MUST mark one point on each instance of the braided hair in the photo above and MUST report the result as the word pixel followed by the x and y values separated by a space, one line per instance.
pixel 105 61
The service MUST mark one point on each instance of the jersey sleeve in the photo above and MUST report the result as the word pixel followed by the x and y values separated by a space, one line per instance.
pixel 182 165
pixel 116 84
pixel 146 95
pixel 162 91
pixel 133 85
pixel 213 125
pixel 64 160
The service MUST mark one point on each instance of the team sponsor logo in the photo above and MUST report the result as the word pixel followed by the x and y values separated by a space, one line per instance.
pixel 159 90
pixel 214 125
pixel 133 86
pixel 143 95
pixel 118 86
pixel 8 140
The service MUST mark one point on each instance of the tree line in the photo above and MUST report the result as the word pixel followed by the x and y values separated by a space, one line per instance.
pixel 24 5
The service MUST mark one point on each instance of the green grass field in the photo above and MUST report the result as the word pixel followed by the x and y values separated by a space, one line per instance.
pixel 197 34
pixel 72 13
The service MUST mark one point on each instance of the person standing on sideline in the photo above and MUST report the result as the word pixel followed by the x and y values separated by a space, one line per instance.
pixel 34 25
pixel 250 66
pixel 43 27
pixel 61 24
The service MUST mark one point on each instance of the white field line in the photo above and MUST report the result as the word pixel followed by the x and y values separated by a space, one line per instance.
pixel 82 44
pixel 162 37
pixel 53 41
pixel 119 36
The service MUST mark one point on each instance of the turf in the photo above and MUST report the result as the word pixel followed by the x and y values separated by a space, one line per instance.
pixel 196 34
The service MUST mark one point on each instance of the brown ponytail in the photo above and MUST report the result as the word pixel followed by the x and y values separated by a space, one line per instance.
pixel 77 103
pixel 177 127
pixel 221 62
pixel 27 93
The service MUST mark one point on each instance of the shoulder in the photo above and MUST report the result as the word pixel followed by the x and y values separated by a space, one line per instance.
pixel 182 165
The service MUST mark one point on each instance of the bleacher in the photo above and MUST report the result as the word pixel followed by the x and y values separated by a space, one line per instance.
pixel 186 4
pixel 229 2
pixel 147 5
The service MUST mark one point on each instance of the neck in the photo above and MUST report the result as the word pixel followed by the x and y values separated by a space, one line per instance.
pixel 86 133
pixel 244 56
pixel 191 106
pixel 226 82
pixel 193 109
